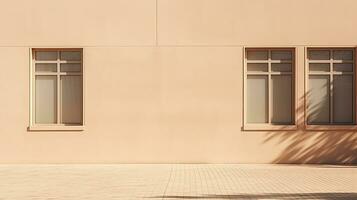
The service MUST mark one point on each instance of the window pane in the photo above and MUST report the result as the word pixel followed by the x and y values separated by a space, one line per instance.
pixel 46 55
pixel 343 99
pixel 71 55
pixel 46 67
pixel 70 67
pixel 319 54
pixel 281 55
pixel 257 99
pixel 281 89
pixel 257 67
pixel 343 67
pixel 45 99
pixel 71 91
pixel 343 55
pixel 257 55
pixel 319 67
pixel 281 67
pixel 318 97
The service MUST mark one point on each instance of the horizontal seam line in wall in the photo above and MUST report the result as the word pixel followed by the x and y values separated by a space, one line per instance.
pixel 79 46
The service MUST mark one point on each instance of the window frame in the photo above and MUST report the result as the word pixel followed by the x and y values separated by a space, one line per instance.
pixel 269 126
pixel 330 127
pixel 57 126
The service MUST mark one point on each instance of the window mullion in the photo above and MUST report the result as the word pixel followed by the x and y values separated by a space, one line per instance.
pixel 293 77
pixel 33 93
pixel 354 86
pixel 331 87
pixel 269 88
pixel 58 88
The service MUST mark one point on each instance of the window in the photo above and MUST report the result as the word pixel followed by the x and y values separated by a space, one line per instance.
pixel 269 87
pixel 331 86
pixel 57 89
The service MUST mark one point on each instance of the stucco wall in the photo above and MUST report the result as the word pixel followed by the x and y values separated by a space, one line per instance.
pixel 164 79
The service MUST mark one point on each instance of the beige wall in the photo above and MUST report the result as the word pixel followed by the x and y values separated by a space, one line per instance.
pixel 164 79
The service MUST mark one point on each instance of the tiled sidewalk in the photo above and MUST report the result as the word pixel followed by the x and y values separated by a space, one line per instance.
pixel 173 181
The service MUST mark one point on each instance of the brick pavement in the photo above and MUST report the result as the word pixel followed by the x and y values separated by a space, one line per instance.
pixel 177 181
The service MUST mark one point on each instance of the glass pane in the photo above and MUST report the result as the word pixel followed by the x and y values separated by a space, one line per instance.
pixel 319 54
pixel 257 55
pixel 343 55
pixel 281 55
pixel 257 67
pixel 281 89
pixel 281 67
pixel 71 90
pixel 45 99
pixel 46 67
pixel 71 55
pixel 46 55
pixel 319 67
pixel 319 99
pixel 343 67
pixel 343 99
pixel 257 99
pixel 70 67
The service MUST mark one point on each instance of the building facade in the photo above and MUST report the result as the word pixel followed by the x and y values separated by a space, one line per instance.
pixel 178 81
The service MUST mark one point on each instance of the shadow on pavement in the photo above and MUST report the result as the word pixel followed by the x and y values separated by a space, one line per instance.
pixel 278 196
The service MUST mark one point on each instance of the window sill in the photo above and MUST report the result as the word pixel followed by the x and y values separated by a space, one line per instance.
pixel 55 128
pixel 331 127
pixel 269 127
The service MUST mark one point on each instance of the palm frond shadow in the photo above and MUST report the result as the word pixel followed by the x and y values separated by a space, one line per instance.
pixel 315 147
pixel 278 196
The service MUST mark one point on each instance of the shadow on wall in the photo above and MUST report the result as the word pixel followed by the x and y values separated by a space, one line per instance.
pixel 315 147
pixel 282 196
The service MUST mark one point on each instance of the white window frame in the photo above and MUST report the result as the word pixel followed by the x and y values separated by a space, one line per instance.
pixel 57 126
pixel 269 126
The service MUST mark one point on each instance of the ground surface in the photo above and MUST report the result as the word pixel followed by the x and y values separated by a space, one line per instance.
pixel 107 182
